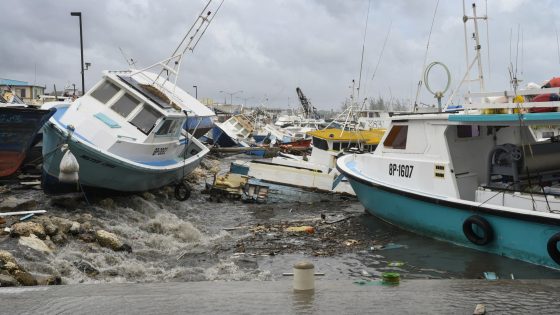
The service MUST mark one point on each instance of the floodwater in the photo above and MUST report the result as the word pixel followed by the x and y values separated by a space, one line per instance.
pixel 198 240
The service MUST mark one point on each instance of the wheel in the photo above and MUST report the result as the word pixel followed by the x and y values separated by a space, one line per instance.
pixel 182 192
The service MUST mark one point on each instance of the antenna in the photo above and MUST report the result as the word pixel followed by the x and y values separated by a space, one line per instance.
pixel 477 59
pixel 363 49
pixel 382 50
pixel 170 67
pixel 131 63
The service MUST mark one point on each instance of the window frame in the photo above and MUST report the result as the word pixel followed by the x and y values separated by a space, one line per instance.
pixel 396 134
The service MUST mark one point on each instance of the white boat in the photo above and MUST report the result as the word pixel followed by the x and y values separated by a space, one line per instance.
pixel 477 178
pixel 234 132
pixel 126 133
pixel 318 170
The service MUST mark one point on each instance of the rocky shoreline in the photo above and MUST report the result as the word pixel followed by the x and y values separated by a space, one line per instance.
pixel 151 236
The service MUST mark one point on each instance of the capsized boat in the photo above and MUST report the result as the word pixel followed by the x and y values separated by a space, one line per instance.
pixel 234 132
pixel 126 133
pixel 318 170
pixel 19 126
pixel 123 135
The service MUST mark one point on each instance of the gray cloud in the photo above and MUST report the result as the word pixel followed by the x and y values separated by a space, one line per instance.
pixel 267 48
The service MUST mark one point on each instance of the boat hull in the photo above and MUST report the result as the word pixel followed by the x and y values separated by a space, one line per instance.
pixel 100 170
pixel 222 139
pixel 18 130
pixel 198 126
pixel 518 238
pixel 292 176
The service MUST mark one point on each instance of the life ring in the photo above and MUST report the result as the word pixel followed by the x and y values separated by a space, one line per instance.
pixel 483 225
pixel 182 192
pixel 552 248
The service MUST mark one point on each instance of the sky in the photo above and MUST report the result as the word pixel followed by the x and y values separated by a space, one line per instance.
pixel 268 48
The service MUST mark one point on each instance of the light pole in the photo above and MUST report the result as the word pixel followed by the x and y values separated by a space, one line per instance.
pixel 231 94
pixel 79 14
pixel 195 91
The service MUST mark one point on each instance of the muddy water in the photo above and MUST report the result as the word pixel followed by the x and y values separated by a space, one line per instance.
pixel 198 240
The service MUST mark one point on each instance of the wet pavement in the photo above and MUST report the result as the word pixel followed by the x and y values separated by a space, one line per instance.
pixel 277 297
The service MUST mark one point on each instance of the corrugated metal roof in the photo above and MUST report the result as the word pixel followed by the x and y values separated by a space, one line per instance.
pixel 13 82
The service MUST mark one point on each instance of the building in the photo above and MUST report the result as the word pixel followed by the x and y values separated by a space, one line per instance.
pixel 29 93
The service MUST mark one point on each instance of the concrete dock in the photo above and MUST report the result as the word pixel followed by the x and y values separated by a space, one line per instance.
pixel 277 297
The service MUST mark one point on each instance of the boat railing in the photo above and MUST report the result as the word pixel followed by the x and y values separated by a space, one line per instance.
pixel 520 99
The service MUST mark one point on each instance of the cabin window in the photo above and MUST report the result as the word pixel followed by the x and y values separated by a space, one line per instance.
pixel 146 119
pixel 168 128
pixel 320 143
pixel 468 131
pixel 548 134
pixel 105 92
pixel 125 105
pixel 396 139
pixel 336 146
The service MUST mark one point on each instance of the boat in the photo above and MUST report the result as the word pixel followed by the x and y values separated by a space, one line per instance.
pixel 316 171
pixel 126 133
pixel 19 127
pixel 234 132
pixel 477 178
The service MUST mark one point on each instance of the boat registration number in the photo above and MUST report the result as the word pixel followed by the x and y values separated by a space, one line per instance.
pixel 159 151
pixel 400 170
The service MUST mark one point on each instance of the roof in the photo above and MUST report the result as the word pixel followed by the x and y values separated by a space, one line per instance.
pixel 372 136
pixel 11 82
pixel 508 119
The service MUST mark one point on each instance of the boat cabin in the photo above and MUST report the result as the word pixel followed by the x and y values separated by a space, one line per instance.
pixel 127 116
pixel 494 159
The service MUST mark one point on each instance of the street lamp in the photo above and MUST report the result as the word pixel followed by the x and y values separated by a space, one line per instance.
pixel 79 15
pixel 195 91
pixel 231 94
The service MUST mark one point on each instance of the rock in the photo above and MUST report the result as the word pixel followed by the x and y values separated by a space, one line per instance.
pixel 109 240
pixel 34 243
pixel 7 257
pixel 49 227
pixel 48 280
pixel 87 237
pixel 86 226
pixel 68 201
pixel 11 267
pixel 13 203
pixel 28 228
pixel 86 268
pixel 2 221
pixel 75 228
pixel 8 281
pixel 148 196
pixel 85 217
pixel 63 224
pixel 59 239
pixel 107 203
pixel 24 278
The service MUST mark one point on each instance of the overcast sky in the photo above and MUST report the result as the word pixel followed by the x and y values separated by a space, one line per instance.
pixel 268 48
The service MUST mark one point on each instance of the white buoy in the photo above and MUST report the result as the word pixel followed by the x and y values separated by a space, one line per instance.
pixel 304 276
pixel 69 167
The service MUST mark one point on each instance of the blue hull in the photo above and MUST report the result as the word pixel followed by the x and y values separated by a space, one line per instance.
pixel 198 126
pixel 513 237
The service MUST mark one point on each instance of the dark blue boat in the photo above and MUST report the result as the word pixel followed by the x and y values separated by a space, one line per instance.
pixel 18 129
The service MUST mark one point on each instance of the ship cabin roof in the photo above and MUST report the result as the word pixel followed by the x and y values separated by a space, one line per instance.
pixel 336 135
pixel 142 106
